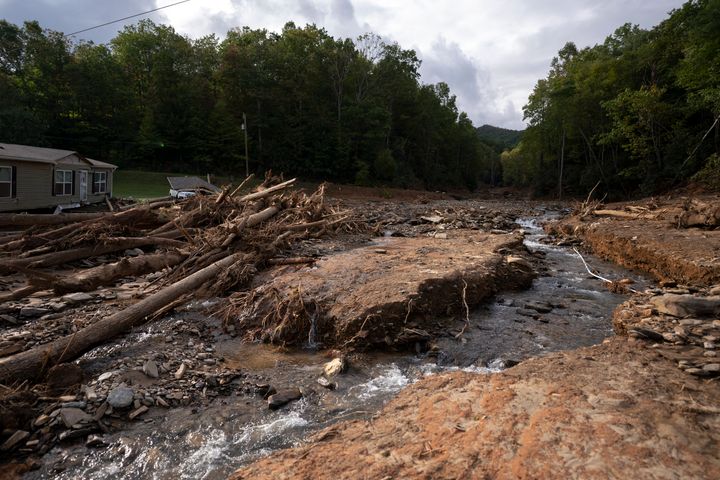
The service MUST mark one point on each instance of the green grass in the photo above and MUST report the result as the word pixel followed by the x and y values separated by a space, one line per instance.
pixel 141 185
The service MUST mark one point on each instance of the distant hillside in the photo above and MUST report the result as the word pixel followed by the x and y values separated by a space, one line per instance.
pixel 501 138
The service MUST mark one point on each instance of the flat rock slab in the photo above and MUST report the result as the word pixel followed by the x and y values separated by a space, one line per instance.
pixel 610 411
pixel 392 292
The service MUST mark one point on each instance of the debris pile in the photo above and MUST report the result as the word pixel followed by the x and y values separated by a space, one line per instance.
pixel 202 246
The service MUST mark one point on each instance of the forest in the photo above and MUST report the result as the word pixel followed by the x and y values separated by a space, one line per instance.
pixel 637 114
pixel 316 106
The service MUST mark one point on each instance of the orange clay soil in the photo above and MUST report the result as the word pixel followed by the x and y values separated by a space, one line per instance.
pixel 652 242
pixel 616 410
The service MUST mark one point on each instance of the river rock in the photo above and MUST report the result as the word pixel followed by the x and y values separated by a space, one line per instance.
pixel 712 367
pixel 687 305
pixel 77 297
pixel 30 312
pixel 95 441
pixel 120 397
pixel 283 397
pixel 335 366
pixel 137 412
pixel 150 369
pixel 73 416
pixel 14 440
pixel 324 382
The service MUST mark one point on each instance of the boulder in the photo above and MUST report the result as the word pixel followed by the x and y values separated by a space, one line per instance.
pixel 121 397
pixel 687 305
pixel 335 367
pixel 283 397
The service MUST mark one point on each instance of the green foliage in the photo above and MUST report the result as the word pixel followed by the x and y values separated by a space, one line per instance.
pixel 316 106
pixel 629 112
pixel 709 175
pixel 499 138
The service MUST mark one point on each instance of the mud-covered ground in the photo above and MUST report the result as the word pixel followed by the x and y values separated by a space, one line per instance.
pixel 644 404
pixel 198 389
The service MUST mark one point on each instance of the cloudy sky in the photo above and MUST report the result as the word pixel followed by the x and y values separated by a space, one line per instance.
pixel 490 52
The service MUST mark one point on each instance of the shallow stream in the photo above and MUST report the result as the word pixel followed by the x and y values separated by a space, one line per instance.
pixel 565 308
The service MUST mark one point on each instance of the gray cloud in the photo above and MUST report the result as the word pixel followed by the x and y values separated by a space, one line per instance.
pixel 71 16
pixel 491 53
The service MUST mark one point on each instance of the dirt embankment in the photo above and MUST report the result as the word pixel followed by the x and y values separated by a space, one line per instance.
pixel 612 411
pixel 641 405
pixel 390 293
pixel 648 236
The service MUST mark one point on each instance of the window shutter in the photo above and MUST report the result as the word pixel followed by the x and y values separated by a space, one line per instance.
pixel 52 182
pixel 73 182
pixel 13 190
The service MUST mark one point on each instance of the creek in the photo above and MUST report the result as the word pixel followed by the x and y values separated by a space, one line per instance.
pixel 565 308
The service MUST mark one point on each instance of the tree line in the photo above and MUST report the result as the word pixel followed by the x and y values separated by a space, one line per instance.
pixel 316 106
pixel 638 113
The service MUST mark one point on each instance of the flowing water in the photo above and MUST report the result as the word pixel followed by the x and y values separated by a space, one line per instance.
pixel 212 441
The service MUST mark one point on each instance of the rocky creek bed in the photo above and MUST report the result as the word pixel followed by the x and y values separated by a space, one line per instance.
pixel 198 407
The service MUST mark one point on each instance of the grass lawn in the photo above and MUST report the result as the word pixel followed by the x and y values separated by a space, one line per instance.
pixel 142 185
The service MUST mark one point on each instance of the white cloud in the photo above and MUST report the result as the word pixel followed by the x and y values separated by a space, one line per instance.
pixel 490 52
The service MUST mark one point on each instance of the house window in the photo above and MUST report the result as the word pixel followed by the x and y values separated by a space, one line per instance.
pixel 6 182
pixel 99 182
pixel 63 182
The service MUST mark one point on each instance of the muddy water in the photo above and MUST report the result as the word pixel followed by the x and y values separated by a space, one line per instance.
pixel 211 441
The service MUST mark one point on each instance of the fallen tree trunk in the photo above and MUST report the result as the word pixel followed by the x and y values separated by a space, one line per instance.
pixel 19 293
pixel 90 279
pixel 33 363
pixel 114 245
pixel 33 219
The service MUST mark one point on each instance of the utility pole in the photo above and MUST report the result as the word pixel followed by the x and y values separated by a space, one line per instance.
pixel 562 165
pixel 247 160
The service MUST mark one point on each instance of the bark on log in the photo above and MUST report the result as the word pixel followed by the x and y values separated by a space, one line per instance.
pixel 90 279
pixel 19 293
pixel 32 219
pixel 33 363
pixel 58 258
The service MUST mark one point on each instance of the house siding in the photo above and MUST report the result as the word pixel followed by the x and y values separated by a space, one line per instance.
pixel 35 182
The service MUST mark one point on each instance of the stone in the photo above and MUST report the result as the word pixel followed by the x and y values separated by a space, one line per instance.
pixel 709 345
pixel 31 312
pixel 539 307
pixel 714 290
pixel 95 441
pixel 41 420
pixel 137 412
pixel 687 305
pixel 100 412
pixel 8 319
pixel 134 252
pixel 90 394
pixel 14 440
pixel 325 383
pixel 335 366
pixel 73 416
pixel 73 434
pixel 121 397
pixel 180 371
pixel 283 397
pixel 106 376
pixel 527 312
pixel 712 367
pixel 520 262
pixel 81 405
pixel 77 297
pixel 150 369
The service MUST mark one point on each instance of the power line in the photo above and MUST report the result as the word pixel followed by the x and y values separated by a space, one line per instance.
pixel 126 18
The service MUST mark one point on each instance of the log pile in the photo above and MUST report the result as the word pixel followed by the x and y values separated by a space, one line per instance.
pixel 201 246
pixel 697 213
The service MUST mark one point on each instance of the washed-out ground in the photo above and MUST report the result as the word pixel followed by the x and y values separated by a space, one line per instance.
pixel 591 413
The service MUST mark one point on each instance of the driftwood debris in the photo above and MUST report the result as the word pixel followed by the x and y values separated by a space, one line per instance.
pixel 697 213
pixel 200 246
